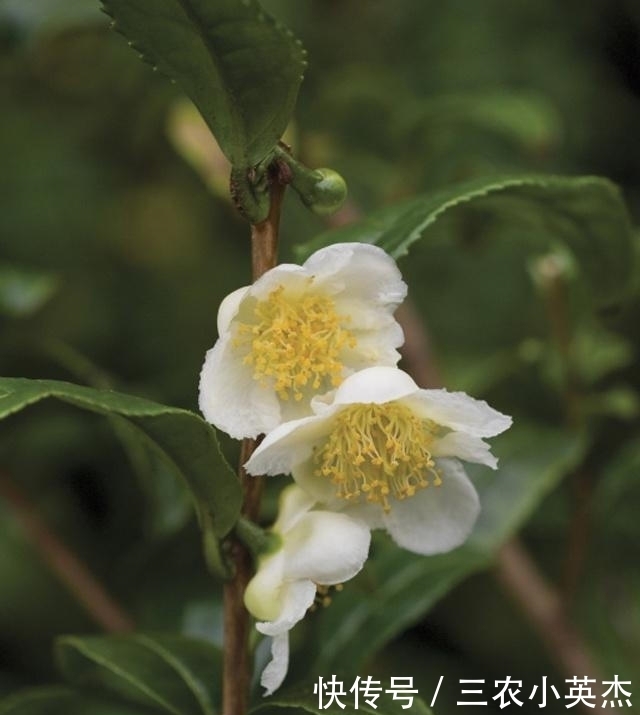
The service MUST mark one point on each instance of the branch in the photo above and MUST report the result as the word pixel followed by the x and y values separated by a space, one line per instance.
pixel 543 607
pixel 236 673
pixel 516 570
pixel 69 570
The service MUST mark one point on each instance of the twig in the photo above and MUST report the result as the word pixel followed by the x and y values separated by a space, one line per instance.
pixel 517 572
pixel 71 572
pixel 543 607
pixel 236 674
pixel 552 280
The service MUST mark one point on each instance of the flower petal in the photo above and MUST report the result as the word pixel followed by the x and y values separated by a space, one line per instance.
pixel 436 519
pixel 287 445
pixel 297 596
pixel 293 504
pixel 229 308
pixel 459 412
pixel 326 547
pixel 319 487
pixel 464 446
pixel 375 384
pixel 289 275
pixel 366 270
pixel 263 596
pixel 223 378
pixel 274 674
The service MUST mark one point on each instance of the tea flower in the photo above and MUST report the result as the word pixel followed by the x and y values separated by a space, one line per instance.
pixel 317 548
pixel 385 450
pixel 297 332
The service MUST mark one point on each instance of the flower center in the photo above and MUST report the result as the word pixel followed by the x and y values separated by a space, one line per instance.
pixel 295 342
pixel 378 451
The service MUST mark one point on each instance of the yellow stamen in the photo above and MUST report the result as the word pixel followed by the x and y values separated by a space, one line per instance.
pixel 376 452
pixel 295 343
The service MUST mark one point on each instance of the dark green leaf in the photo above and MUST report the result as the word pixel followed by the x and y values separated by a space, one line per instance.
pixel 587 214
pixel 23 292
pixel 169 674
pixel 398 588
pixel 63 701
pixel 179 437
pixel 306 701
pixel 240 67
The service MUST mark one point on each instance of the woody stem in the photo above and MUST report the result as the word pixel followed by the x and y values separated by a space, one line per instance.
pixel 236 674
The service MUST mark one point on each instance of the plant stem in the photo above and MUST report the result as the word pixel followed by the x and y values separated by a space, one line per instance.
pixel 69 570
pixel 236 674
pixel 543 607
pixel 539 600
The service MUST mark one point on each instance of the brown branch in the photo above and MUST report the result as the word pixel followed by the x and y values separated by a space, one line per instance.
pixel 543 607
pixel 552 281
pixel 69 570
pixel 539 600
pixel 236 673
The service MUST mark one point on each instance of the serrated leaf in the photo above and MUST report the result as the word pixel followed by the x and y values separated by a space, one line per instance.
pixel 169 674
pixel 23 292
pixel 398 587
pixel 239 66
pixel 181 438
pixel 62 701
pixel 586 214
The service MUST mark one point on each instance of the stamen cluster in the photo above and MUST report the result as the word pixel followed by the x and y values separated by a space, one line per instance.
pixel 376 452
pixel 296 341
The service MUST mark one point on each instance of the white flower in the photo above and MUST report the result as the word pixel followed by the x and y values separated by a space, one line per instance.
pixel 384 450
pixel 317 548
pixel 297 332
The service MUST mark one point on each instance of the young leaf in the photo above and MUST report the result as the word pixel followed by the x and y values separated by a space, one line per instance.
pixel 181 438
pixel 586 213
pixel 239 66
pixel 169 674
pixel 402 587
pixel 62 701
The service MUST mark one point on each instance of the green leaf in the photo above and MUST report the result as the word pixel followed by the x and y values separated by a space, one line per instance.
pixel 587 214
pixel 23 292
pixel 239 66
pixel 62 701
pixel 306 701
pixel 181 438
pixel 397 588
pixel 170 674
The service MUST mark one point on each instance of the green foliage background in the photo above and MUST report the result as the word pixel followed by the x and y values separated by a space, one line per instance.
pixel 116 251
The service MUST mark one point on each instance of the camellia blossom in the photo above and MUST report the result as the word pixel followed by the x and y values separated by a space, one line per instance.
pixel 316 549
pixel 297 332
pixel 387 451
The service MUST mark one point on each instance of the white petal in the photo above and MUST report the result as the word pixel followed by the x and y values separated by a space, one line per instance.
pixel 274 674
pixel 297 597
pixel 293 504
pixel 264 595
pixel 374 348
pixel 319 487
pixel 229 396
pixel 464 446
pixel 288 275
pixel 375 384
pixel 362 269
pixel 460 412
pixel 229 309
pixel 287 445
pixel 436 519
pixel 325 547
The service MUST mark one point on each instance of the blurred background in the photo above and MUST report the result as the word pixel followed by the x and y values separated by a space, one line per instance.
pixel 118 242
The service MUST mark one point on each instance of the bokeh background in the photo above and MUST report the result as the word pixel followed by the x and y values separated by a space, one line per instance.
pixel 118 242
